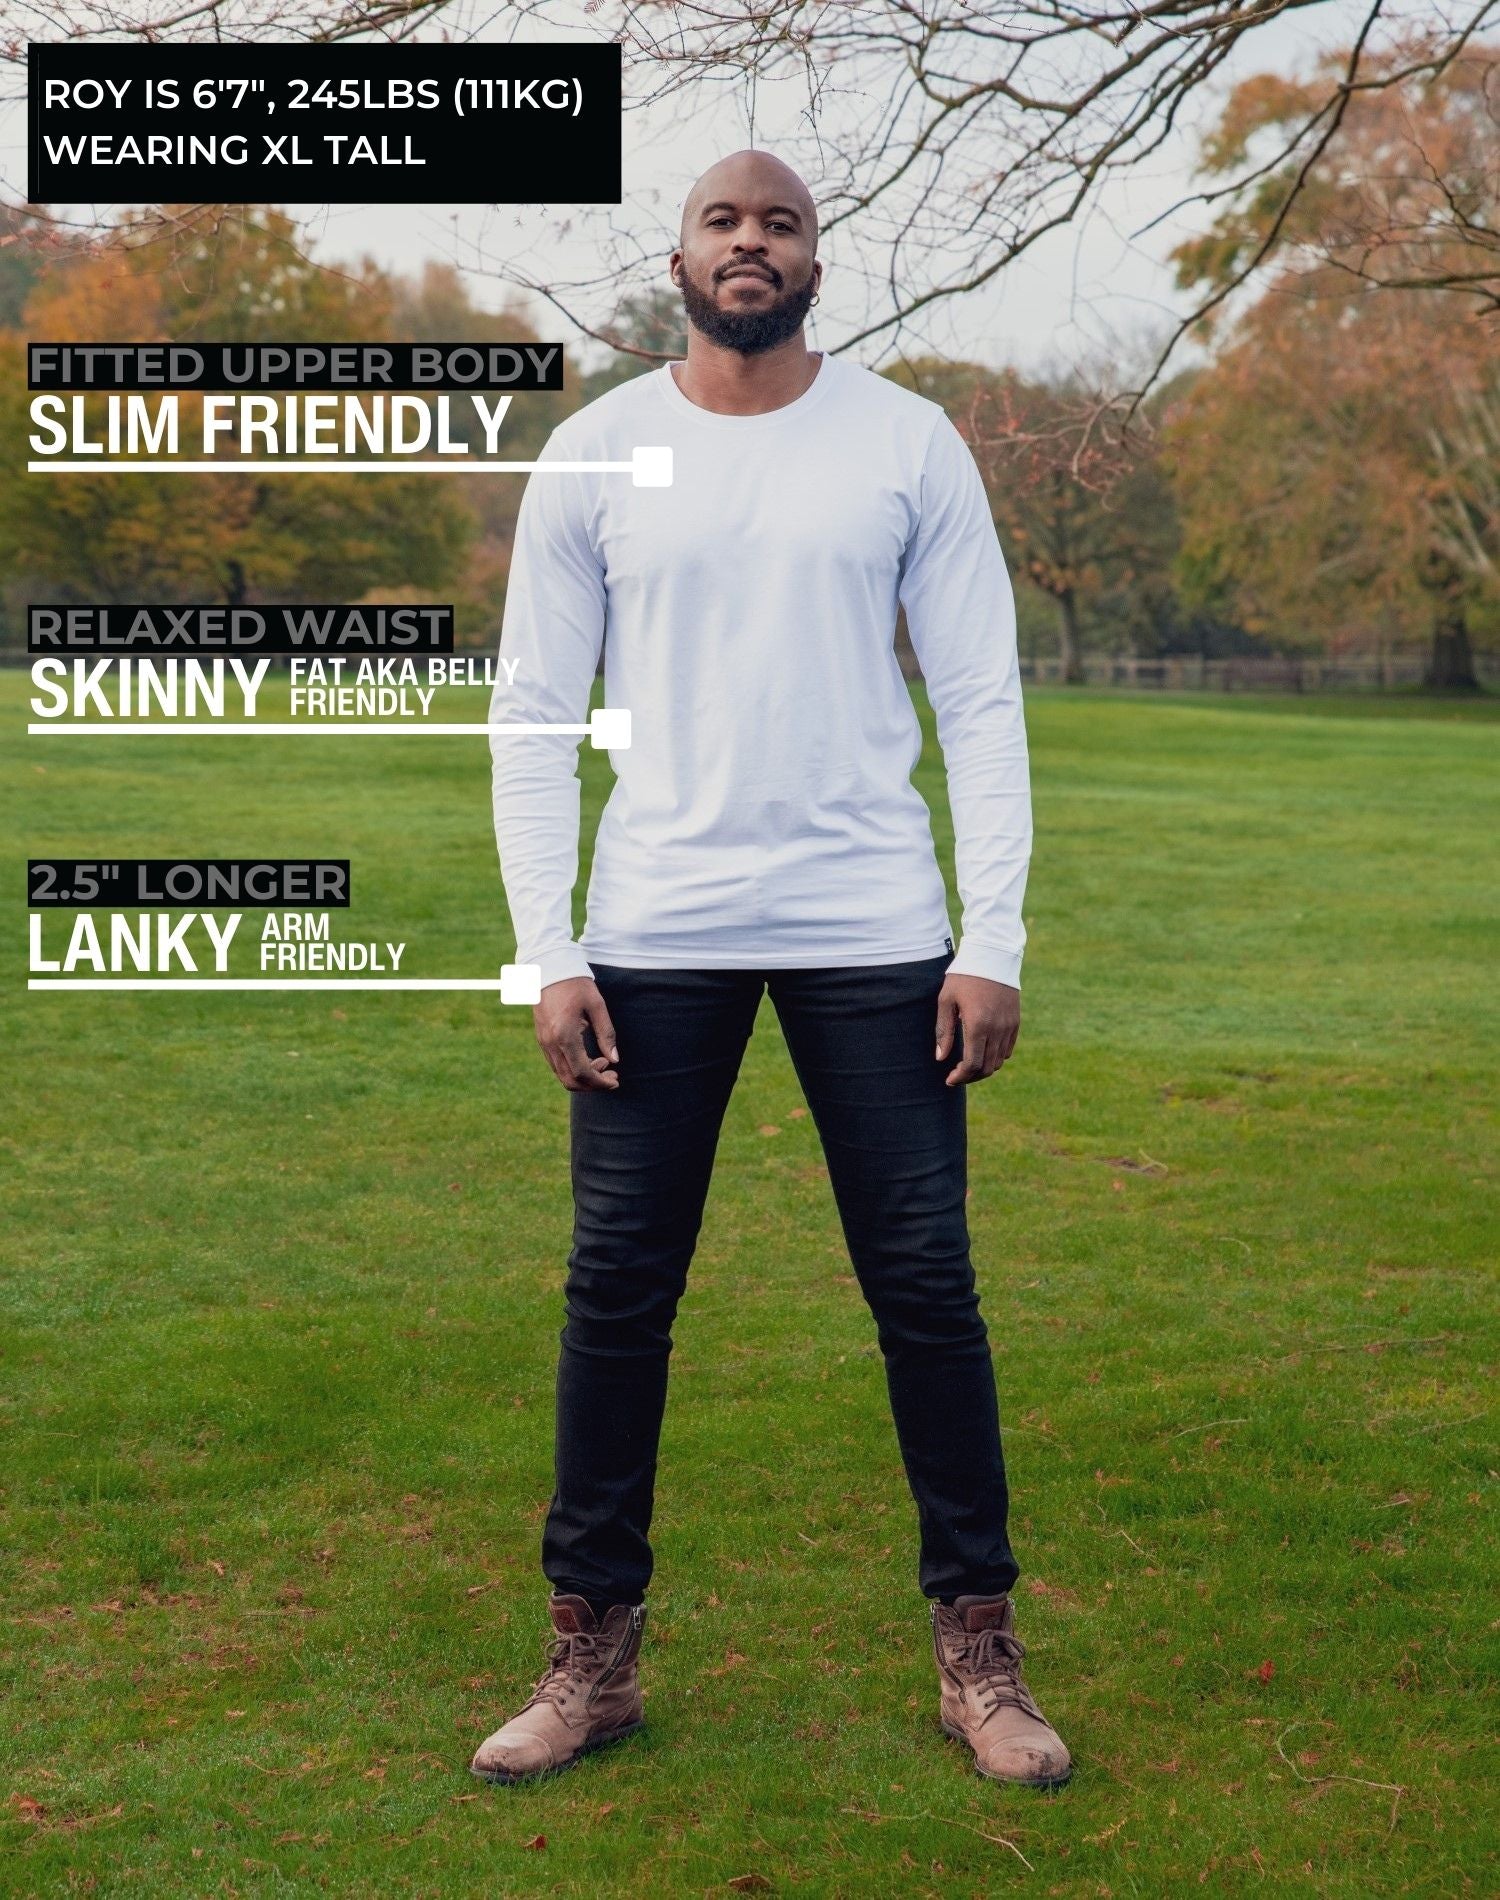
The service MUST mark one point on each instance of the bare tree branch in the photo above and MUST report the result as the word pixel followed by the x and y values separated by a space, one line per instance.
pixel 945 139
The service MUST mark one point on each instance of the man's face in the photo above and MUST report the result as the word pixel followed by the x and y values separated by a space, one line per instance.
pixel 746 268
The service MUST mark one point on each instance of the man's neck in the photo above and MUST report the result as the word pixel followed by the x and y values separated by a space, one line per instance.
pixel 736 385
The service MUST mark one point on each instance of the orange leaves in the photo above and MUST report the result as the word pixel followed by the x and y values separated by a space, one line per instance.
pixel 1256 104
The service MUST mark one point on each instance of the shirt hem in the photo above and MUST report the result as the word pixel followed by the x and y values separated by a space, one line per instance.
pixel 626 958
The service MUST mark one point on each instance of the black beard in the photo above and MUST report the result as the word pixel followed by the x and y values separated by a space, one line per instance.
pixel 750 332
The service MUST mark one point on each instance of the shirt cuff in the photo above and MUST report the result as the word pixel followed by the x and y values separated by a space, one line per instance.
pixel 987 960
pixel 557 966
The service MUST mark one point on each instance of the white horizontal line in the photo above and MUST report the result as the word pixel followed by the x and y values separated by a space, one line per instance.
pixel 491 983
pixel 283 728
pixel 229 465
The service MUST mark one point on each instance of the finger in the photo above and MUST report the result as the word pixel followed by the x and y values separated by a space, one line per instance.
pixel 587 1065
pixel 570 1052
pixel 555 1064
pixel 587 1071
pixel 971 1067
pixel 604 1029
pixel 562 1064
pixel 546 1041
pixel 947 1017
pixel 993 1053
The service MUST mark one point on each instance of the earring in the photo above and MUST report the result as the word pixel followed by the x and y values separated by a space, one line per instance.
pixel 816 294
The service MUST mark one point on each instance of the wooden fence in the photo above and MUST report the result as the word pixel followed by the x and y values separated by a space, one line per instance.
pixel 1259 673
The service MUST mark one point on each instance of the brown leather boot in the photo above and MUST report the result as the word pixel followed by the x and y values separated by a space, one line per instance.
pixel 984 1701
pixel 590 1695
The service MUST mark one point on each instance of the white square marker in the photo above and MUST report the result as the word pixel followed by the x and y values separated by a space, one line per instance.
pixel 651 468
pixel 609 728
pixel 520 982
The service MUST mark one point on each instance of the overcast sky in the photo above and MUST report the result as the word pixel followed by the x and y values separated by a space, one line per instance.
pixel 1087 288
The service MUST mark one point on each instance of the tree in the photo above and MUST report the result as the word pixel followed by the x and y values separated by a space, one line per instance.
pixel 241 278
pixel 1323 482
pixel 24 245
pixel 1409 196
pixel 437 306
pixel 949 137
pixel 1335 467
pixel 648 328
pixel 1082 511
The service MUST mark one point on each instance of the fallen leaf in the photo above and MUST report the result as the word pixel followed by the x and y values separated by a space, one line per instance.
pixel 537 1842
pixel 1266 1670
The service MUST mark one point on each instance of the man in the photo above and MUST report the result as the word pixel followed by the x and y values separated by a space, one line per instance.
pixel 764 832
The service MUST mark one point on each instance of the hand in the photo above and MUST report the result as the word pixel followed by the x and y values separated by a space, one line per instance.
pixel 991 1017
pixel 569 1013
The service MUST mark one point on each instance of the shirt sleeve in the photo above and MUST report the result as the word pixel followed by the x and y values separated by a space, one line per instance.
pixel 960 612
pixel 551 638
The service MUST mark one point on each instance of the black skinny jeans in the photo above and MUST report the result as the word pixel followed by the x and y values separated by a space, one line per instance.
pixel 861 1040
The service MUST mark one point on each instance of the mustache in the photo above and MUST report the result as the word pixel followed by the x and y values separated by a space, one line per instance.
pixel 751 270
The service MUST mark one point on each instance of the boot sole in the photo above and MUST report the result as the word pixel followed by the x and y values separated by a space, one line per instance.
pixel 1009 1781
pixel 504 1778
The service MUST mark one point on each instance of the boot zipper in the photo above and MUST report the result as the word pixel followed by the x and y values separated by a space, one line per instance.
pixel 637 1615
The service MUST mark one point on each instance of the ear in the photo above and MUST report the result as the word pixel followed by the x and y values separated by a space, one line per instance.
pixel 673 265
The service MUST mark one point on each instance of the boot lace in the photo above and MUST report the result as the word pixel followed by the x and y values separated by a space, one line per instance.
pixel 568 1655
pixel 993 1659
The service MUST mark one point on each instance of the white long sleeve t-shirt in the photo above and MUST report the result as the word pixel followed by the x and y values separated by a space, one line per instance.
pixel 763 815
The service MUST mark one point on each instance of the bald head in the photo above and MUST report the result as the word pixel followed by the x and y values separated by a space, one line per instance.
pixel 753 181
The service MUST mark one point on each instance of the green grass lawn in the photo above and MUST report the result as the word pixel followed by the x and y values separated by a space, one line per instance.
pixel 281 1298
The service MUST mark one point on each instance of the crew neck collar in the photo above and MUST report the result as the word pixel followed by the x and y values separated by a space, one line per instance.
pixel 717 419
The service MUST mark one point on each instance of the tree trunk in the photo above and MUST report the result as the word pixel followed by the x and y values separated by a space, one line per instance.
pixel 1071 654
pixel 1450 664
